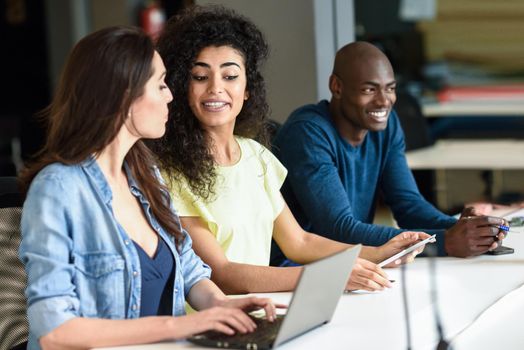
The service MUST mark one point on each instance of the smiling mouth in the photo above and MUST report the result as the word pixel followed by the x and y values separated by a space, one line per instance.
pixel 379 116
pixel 215 105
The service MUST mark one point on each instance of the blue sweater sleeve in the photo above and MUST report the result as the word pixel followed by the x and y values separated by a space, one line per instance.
pixel 401 194
pixel 308 151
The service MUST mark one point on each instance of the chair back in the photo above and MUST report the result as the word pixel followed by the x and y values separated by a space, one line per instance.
pixel 273 127
pixel 13 280
pixel 416 128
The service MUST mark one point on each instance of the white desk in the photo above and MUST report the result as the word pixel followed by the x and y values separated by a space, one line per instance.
pixel 466 287
pixel 493 155
pixel 474 109
pixel 469 154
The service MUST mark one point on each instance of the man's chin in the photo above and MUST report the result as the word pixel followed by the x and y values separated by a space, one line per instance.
pixel 378 126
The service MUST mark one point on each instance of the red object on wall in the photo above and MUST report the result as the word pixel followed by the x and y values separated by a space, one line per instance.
pixel 152 19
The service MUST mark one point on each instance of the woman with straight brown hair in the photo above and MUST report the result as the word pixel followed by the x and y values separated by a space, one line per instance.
pixel 106 258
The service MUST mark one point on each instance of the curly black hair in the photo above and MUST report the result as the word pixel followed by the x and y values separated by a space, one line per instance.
pixel 185 150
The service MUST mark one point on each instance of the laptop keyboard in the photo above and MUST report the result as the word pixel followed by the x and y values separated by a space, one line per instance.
pixel 262 338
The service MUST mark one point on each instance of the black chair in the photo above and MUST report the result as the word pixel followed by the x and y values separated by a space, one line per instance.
pixel 13 320
pixel 416 127
pixel 10 157
pixel 273 127
pixel 417 135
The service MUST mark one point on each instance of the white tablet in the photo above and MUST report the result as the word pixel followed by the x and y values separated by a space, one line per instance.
pixel 408 250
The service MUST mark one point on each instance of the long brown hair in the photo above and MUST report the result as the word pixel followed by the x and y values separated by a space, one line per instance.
pixel 104 73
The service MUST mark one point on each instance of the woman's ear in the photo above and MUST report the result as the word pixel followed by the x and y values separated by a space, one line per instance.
pixel 246 95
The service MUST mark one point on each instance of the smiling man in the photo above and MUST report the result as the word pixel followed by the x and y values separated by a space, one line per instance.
pixel 341 154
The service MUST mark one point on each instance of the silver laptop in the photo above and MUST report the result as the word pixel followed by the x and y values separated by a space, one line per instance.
pixel 314 301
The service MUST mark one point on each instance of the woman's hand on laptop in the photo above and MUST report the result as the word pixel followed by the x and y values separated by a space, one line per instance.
pixel 222 319
pixel 367 276
pixel 229 317
pixel 252 303
pixel 399 243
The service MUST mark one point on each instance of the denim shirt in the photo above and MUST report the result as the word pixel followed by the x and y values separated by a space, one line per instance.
pixel 79 260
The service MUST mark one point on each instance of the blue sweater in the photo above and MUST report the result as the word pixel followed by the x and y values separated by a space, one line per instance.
pixel 332 186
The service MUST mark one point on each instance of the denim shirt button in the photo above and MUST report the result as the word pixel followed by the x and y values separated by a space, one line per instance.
pixel 176 290
pixel 135 273
pixel 134 307
pixel 126 242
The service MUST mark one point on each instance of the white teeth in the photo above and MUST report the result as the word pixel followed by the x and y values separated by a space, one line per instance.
pixel 214 104
pixel 380 114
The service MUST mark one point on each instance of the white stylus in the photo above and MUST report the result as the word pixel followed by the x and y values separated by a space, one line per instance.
pixel 399 255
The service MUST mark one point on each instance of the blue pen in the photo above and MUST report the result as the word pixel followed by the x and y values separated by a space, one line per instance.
pixel 504 228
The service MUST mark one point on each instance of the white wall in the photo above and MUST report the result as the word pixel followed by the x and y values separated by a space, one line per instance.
pixel 334 27
pixel 67 22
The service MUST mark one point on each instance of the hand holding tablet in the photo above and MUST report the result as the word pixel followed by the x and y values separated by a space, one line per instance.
pixel 408 250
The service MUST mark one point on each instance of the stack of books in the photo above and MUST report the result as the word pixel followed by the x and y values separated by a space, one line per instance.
pixel 479 93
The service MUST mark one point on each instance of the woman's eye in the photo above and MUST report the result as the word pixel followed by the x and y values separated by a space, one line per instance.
pixel 198 77
pixel 231 77
pixel 162 87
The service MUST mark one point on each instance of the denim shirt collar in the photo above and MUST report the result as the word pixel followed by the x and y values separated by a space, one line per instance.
pixel 93 169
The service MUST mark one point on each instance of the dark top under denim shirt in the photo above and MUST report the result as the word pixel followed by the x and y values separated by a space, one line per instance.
pixel 157 280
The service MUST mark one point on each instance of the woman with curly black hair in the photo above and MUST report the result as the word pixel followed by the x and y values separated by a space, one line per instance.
pixel 225 185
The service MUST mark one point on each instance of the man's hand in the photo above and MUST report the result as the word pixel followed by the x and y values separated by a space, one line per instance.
pixel 476 209
pixel 473 235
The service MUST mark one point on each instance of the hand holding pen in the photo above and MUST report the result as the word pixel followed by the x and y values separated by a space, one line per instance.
pixel 506 229
pixel 501 250
pixel 501 232
pixel 474 234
